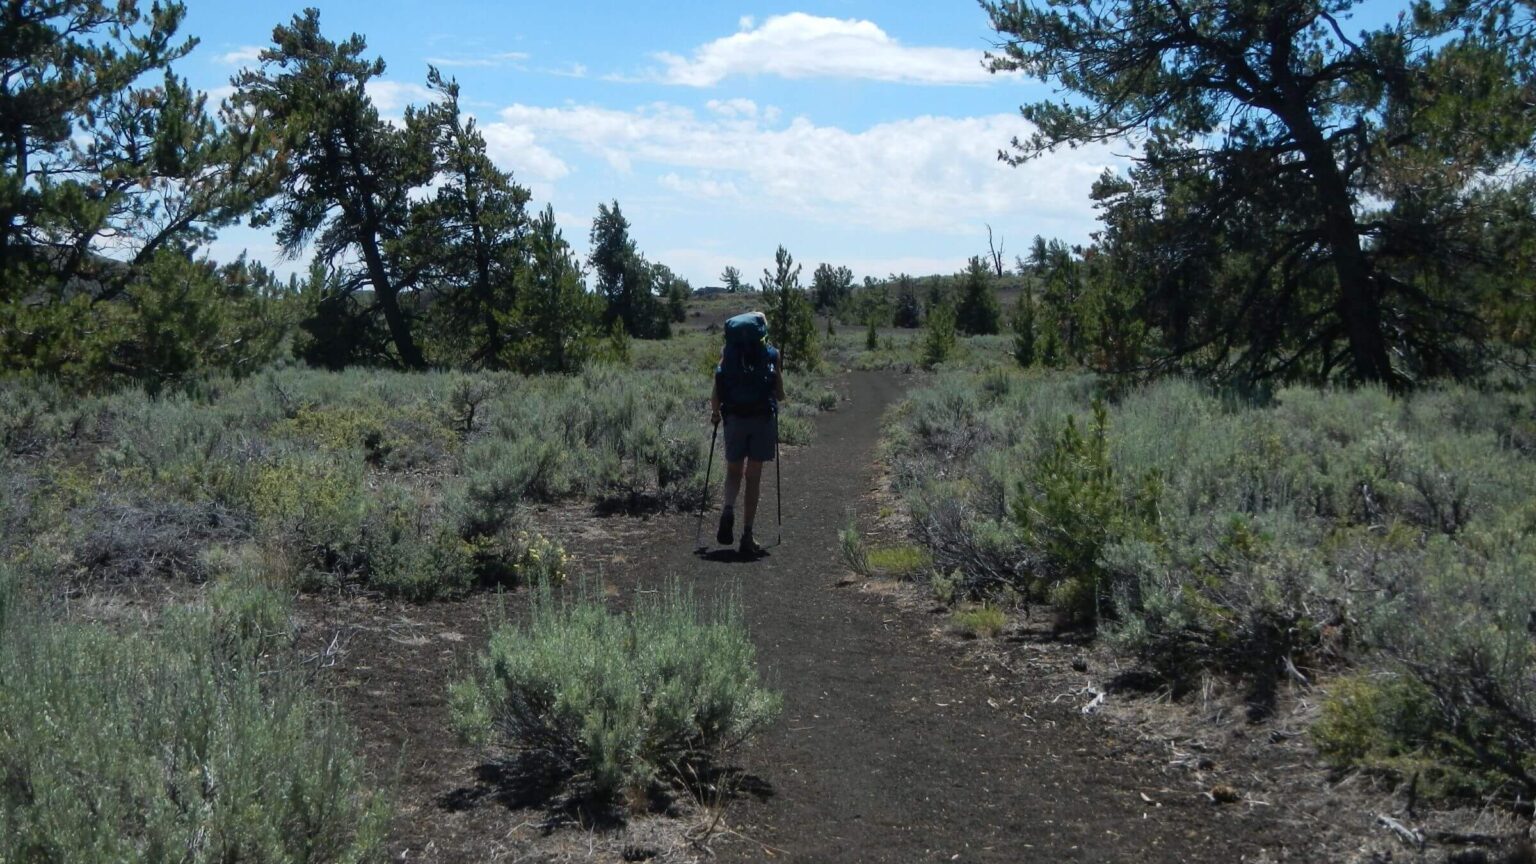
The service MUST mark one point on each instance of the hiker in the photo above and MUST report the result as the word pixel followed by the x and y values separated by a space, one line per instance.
pixel 748 389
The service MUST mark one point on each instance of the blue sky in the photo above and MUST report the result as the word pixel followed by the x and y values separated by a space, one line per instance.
pixel 856 133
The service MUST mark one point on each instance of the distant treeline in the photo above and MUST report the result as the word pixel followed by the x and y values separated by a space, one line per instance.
pixel 1354 211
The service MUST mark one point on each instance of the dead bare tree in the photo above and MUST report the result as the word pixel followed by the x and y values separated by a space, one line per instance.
pixel 996 252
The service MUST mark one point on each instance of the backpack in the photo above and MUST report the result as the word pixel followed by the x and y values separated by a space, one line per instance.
pixel 747 367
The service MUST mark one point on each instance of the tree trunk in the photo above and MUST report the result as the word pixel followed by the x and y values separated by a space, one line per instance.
pixel 483 289
pixel 388 299
pixel 1359 304
pixel 8 216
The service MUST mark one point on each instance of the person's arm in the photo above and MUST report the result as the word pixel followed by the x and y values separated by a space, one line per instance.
pixel 714 402
pixel 778 386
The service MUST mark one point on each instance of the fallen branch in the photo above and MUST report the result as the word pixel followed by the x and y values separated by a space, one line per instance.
pixel 1408 835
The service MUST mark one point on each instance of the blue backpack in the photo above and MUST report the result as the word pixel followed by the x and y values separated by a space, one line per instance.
pixel 747 367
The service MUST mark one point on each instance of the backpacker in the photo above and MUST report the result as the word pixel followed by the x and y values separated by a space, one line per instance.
pixel 747 367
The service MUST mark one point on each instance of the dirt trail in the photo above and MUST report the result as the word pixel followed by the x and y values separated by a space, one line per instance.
pixel 888 751
pixel 895 745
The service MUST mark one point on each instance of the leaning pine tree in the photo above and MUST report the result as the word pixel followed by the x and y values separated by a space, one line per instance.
pixel 1308 202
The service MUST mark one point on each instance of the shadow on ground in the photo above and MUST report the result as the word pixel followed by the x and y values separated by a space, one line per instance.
pixel 533 781
pixel 730 556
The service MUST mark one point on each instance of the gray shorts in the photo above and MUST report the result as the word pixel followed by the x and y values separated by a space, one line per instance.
pixel 751 437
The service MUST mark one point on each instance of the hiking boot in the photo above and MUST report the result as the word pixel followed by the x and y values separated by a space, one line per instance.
pixel 749 547
pixel 727 533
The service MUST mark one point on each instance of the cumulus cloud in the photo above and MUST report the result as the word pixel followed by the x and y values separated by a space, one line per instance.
pixel 925 173
pixel 798 45
pixel 393 96
pixel 245 55
pixel 515 148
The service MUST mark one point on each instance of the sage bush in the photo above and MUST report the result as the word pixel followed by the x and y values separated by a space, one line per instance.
pixel 619 701
pixel 1313 533
pixel 184 741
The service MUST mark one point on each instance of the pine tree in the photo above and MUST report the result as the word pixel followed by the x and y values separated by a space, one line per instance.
pixel 977 314
pixel 939 341
pixel 99 138
pixel 1308 202
pixel 791 321
pixel 624 277
pixel 468 241
pixel 555 318
pixel 1024 349
pixel 348 175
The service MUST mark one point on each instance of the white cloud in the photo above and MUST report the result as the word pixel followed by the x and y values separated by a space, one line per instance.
pixel 393 96
pixel 245 55
pixel 514 148
pixel 219 94
pixel 921 174
pixel 798 45
pixel 485 61
pixel 703 186
pixel 732 107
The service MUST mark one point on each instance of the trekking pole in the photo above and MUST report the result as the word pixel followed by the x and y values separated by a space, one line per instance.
pixel 704 492
pixel 778 480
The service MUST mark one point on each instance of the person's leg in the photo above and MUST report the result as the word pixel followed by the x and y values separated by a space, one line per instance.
pixel 754 474
pixel 733 472
pixel 727 532
pixel 736 441
pixel 759 452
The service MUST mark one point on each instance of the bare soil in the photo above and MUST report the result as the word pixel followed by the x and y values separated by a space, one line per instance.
pixel 899 741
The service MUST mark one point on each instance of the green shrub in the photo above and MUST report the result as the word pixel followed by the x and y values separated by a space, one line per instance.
pixel 150 746
pixel 902 561
pixel 855 553
pixel 981 622
pixel 414 483
pixel 1462 633
pixel 247 616
pixel 1072 506
pixel 1376 721
pixel 620 701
